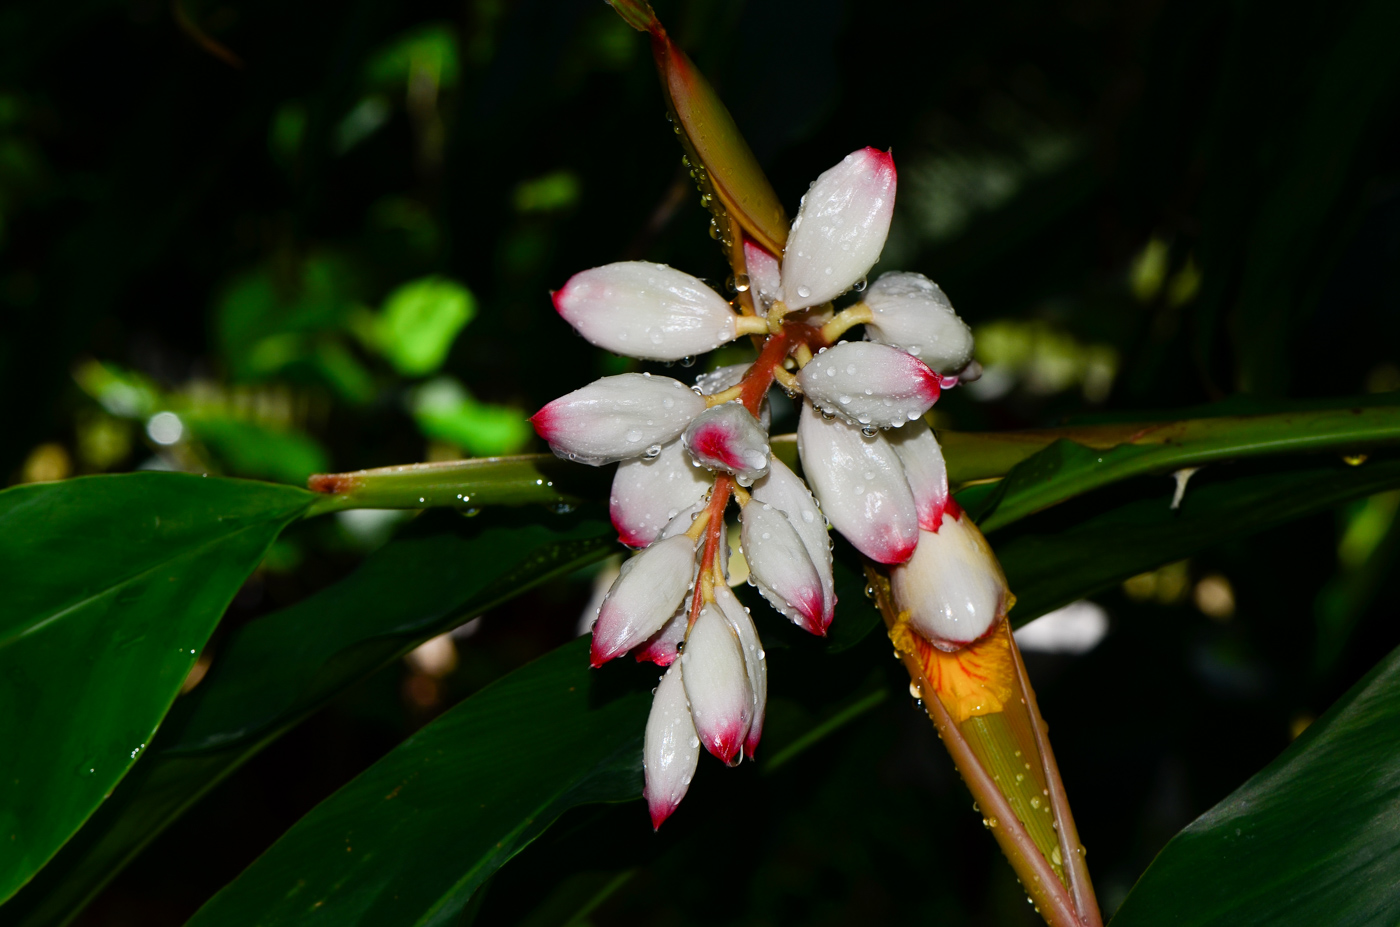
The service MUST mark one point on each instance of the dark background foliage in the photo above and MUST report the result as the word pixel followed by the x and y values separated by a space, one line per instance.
pixel 1141 206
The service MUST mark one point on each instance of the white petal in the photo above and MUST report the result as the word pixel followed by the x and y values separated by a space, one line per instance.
pixel 765 277
pixel 647 492
pixel 727 438
pixel 925 470
pixel 840 229
pixel 952 589
pixel 781 567
pixel 869 384
pixel 661 647
pixel 755 661
pixel 861 486
pixel 617 417
pixel 717 684
pixel 783 490
pixel 913 314
pixel 646 593
pixel 645 310
pixel 671 750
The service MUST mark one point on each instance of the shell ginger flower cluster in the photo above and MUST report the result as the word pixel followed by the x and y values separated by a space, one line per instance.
pixel 872 463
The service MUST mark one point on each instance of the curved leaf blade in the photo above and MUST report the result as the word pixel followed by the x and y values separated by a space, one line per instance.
pixel 274 671
pixel 409 840
pixel 1311 839
pixel 1054 559
pixel 113 585
pixel 1066 468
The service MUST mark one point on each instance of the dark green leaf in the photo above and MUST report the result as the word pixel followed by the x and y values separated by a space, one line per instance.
pixel 1309 840
pixel 1063 555
pixel 272 672
pixel 1067 468
pixel 113 584
pixel 250 449
pixel 410 839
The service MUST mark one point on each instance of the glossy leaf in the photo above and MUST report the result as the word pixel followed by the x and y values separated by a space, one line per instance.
pixel 410 839
pixel 1311 839
pixel 1065 468
pixel 274 671
pixel 1058 557
pixel 113 584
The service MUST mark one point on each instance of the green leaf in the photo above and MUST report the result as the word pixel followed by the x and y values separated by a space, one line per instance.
pixel 446 411
pixel 274 671
pixel 419 322
pixel 112 585
pixel 1060 556
pixel 410 839
pixel 1065 468
pixel 427 52
pixel 250 449
pixel 1309 840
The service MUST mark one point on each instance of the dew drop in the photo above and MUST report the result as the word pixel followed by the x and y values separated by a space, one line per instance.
pixel 741 283
pixel 652 452
pixel 803 292
pixel 860 286
pixel 688 361
pixel 633 436
pixel 850 370
pixel 870 431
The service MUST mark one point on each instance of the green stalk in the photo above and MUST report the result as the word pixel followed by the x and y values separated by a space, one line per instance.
pixel 465 484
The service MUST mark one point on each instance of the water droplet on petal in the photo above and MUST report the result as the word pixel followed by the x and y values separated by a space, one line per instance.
pixel 803 292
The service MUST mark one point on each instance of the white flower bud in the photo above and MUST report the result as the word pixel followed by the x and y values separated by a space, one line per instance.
pixel 647 492
pixel 755 661
pixel 913 314
pixel 952 589
pixel 840 229
pixel 782 489
pixel 727 438
pixel 717 684
pixel 869 384
pixel 645 310
pixel 861 486
pixel 781 567
pixel 723 378
pixel 671 749
pixel 617 417
pixel 645 594
pixel 661 647
pixel 925 470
